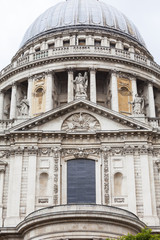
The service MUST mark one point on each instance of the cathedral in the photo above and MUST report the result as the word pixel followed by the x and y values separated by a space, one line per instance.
pixel 79 128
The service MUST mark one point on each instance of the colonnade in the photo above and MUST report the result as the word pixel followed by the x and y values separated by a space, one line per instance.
pixel 49 77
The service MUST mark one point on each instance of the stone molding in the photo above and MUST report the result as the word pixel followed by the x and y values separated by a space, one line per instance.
pixel 80 152
pixel 3 166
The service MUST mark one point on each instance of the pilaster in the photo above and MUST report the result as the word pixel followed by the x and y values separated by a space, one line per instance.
pixel 31 184
pixel 70 85
pixel 131 183
pixel 114 91
pixel 13 101
pixel 93 92
pixel 14 189
pixel 146 189
pixel 2 172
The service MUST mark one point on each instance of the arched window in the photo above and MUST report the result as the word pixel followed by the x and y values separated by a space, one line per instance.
pixel 43 184
pixel 118 179
pixel 81 181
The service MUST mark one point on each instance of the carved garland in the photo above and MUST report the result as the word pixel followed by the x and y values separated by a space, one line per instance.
pixel 56 157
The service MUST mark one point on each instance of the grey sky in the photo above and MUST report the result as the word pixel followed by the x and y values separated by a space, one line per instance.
pixel 17 15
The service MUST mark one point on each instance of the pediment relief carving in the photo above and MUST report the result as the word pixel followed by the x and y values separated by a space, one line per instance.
pixel 79 122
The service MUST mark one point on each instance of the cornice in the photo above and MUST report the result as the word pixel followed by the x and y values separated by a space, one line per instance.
pixel 81 57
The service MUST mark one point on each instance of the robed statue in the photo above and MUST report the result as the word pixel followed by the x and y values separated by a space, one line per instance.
pixel 23 107
pixel 138 105
pixel 80 86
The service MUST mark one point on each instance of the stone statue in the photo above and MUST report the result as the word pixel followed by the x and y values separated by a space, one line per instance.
pixel 138 105
pixel 23 107
pixel 80 86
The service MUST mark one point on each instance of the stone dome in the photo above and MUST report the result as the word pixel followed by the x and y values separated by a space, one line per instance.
pixel 82 13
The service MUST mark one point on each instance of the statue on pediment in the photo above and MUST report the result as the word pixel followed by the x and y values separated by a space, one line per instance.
pixel 23 107
pixel 138 105
pixel 80 86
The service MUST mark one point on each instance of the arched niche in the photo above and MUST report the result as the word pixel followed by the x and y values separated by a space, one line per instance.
pixel 43 184
pixel 118 183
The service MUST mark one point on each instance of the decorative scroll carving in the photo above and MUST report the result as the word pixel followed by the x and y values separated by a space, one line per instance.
pixel 105 155
pixel 81 122
pixel 80 86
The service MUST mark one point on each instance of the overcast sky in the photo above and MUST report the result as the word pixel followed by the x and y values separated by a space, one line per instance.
pixel 17 15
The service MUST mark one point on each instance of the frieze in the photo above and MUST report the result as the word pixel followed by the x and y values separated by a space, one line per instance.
pixel 80 152
pixel 80 122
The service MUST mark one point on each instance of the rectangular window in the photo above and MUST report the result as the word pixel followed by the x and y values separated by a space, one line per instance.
pixel 51 45
pixel 97 43
pixel 37 50
pixel 82 42
pixel 112 45
pixel 66 43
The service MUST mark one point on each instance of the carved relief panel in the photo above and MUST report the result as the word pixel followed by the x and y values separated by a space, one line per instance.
pixel 124 95
pixel 38 95
pixel 81 122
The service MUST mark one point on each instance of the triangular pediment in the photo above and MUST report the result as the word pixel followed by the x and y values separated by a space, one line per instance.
pixel 81 115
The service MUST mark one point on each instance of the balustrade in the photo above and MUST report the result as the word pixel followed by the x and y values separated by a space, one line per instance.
pixel 62 51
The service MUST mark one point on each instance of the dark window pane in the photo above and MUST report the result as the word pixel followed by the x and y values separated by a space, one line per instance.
pixel 81 181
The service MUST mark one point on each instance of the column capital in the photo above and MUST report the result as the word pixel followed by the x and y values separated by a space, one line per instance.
pixel 48 72
pixel 13 84
pixel 114 72
pixel 92 69
pixel 70 70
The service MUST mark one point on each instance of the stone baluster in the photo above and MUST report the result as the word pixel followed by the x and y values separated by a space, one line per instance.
pixel 152 112
pixel 1 104
pixel 70 85
pixel 93 92
pixel 114 92
pixel 49 91
pixel 2 172
pixel 13 101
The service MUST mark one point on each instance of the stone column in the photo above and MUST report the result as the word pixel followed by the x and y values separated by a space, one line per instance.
pixel 2 171
pixel 1 104
pixel 49 91
pixel 114 92
pixel 70 85
pixel 13 102
pixel 14 190
pixel 93 92
pixel 134 87
pixel 31 184
pixel 29 93
pixel 131 183
pixel 152 112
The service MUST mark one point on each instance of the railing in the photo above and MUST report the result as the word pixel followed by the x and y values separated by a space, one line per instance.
pixel 74 50
pixel 154 122
pixel 6 124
